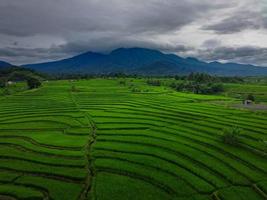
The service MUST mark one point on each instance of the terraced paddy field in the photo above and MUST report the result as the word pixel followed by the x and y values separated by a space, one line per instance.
pixel 259 91
pixel 96 139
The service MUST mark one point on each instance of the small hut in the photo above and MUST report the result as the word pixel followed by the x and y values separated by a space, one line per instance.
pixel 10 82
pixel 247 102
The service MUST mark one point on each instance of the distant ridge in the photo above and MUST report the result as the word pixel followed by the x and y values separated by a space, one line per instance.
pixel 4 64
pixel 144 62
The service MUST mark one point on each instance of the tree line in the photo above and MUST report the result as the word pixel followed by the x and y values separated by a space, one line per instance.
pixel 198 83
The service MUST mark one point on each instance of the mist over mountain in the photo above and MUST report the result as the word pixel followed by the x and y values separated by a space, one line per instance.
pixel 144 62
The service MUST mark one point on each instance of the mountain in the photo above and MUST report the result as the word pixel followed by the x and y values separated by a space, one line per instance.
pixel 143 61
pixel 4 64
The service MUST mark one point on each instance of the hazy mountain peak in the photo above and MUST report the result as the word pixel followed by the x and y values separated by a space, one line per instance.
pixel 143 61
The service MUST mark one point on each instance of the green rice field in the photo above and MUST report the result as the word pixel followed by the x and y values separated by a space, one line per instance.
pixel 98 139
pixel 259 91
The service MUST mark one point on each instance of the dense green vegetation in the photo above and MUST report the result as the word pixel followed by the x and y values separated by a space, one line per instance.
pixel 17 79
pixel 130 138
pixel 198 83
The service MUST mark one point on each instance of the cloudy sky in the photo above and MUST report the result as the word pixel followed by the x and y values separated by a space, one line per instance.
pixel 225 30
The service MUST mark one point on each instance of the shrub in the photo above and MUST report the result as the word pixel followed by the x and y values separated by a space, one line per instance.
pixel 230 136
pixel 122 82
pixel 2 83
pixel 154 82
pixel 74 88
pixel 251 97
pixel 136 90
pixel 6 91
pixel 173 85
pixel 33 83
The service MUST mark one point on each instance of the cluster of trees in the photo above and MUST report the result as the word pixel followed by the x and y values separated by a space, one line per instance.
pixel 202 77
pixel 33 82
pixel 32 78
pixel 198 83
pixel 77 76
pixel 235 79
pixel 199 77
pixel 198 88
pixel 2 83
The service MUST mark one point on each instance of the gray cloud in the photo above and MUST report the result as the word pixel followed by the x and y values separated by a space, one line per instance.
pixel 32 17
pixel 38 30
pixel 15 54
pixel 238 22
pixel 91 25
pixel 212 43
pixel 244 54
pixel 29 17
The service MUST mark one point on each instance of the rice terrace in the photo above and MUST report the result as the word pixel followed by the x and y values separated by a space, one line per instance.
pixel 99 139
pixel 133 100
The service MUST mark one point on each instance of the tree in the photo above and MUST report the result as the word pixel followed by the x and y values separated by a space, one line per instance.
pixel 33 82
pixel 216 88
pixel 2 83
pixel 122 82
pixel 191 76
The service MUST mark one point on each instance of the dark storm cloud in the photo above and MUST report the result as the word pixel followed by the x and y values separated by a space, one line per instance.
pixel 238 22
pixel 34 52
pixel 245 54
pixel 43 30
pixel 165 16
pixel 113 43
pixel 29 17
pixel 28 55
pixel 94 25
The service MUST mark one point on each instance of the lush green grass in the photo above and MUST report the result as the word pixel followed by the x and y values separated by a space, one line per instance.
pixel 239 193
pixel 21 192
pixel 43 137
pixel 122 139
pixel 242 90
pixel 126 187
pixel 13 89
pixel 56 189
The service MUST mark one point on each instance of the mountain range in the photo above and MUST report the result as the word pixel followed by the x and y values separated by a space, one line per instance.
pixel 4 64
pixel 144 62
